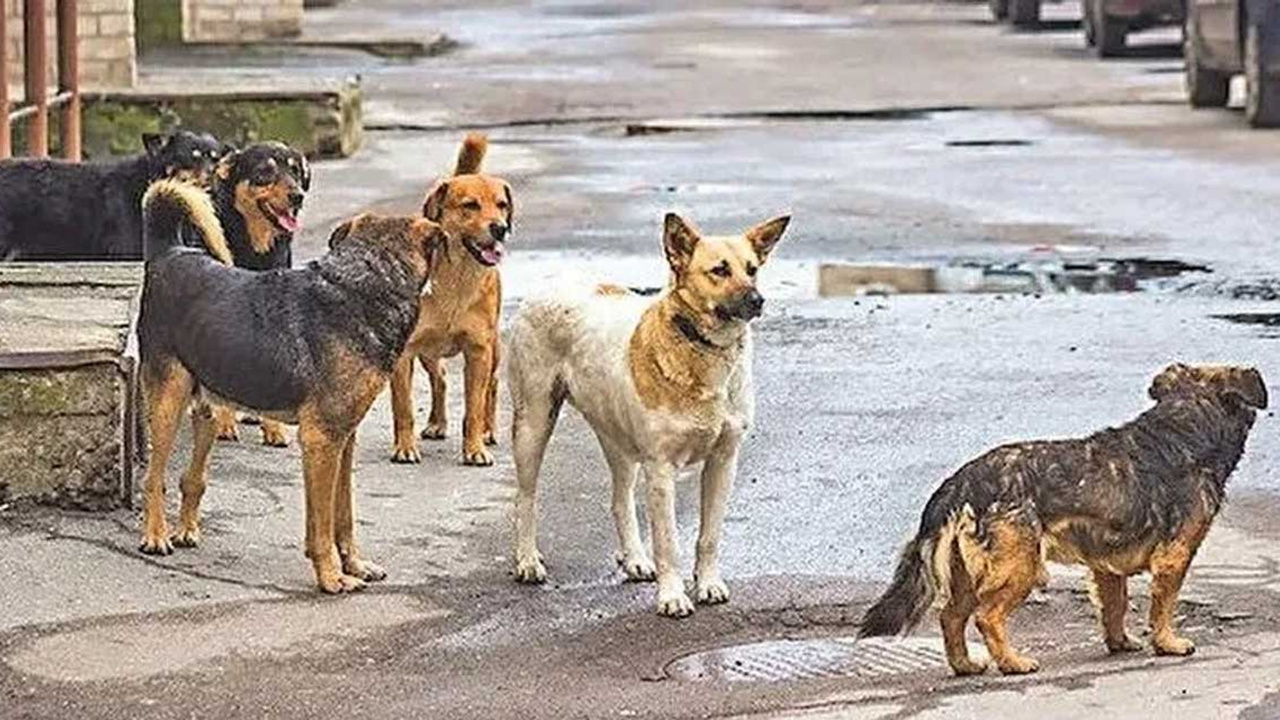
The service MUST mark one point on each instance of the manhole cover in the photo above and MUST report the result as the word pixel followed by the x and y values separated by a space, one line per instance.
pixel 777 660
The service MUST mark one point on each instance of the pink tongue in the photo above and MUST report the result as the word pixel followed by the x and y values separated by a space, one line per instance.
pixel 492 255
pixel 288 222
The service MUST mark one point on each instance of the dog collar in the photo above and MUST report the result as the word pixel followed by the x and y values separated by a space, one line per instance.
pixel 690 330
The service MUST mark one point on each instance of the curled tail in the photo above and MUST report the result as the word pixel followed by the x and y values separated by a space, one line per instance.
pixel 923 576
pixel 471 156
pixel 170 206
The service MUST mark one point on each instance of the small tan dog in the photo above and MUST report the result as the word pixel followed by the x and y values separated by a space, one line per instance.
pixel 460 313
pixel 664 383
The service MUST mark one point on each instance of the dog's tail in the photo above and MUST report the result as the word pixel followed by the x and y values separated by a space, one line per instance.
pixel 471 156
pixel 923 576
pixel 169 208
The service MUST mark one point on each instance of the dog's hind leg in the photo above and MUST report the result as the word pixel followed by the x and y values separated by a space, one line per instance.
pixel 1169 564
pixel 1110 594
pixel 1012 569
pixel 438 422
pixel 224 423
pixel 479 370
pixel 406 445
pixel 717 481
pixel 536 407
pixel 632 556
pixel 167 392
pixel 672 600
pixel 194 479
pixel 955 616
pixel 491 401
pixel 322 458
pixel 345 524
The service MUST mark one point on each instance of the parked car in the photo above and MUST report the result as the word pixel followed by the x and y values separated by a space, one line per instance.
pixel 1107 23
pixel 1226 37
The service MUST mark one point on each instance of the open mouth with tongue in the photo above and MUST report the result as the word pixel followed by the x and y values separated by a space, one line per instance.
pixel 489 254
pixel 285 219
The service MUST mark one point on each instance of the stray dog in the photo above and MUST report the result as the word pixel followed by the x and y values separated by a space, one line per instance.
pixel 1126 500
pixel 258 193
pixel 665 383
pixel 312 346
pixel 460 313
pixel 59 210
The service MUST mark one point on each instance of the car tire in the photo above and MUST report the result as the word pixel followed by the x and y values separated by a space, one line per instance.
pixel 1109 33
pixel 1024 14
pixel 1205 87
pixel 1262 97
pixel 999 9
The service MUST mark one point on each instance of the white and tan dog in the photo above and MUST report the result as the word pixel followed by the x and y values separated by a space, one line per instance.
pixel 665 383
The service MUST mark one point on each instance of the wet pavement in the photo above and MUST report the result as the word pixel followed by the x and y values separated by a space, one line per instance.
pixel 898 135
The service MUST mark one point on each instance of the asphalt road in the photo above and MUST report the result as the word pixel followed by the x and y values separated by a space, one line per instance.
pixel 894 133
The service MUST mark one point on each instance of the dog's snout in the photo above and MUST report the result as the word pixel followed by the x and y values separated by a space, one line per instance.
pixel 753 303
pixel 498 231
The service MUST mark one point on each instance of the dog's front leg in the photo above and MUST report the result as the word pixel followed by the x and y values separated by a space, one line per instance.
pixel 322 458
pixel 345 525
pixel 479 371
pixel 717 481
pixel 672 600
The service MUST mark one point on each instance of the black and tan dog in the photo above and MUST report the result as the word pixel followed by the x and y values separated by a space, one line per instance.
pixel 258 193
pixel 311 346
pixel 1137 498
pixel 460 313
pixel 58 210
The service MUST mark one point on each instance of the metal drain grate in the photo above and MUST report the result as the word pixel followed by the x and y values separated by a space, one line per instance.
pixel 777 660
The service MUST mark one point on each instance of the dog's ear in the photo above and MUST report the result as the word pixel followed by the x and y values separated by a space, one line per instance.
pixel 679 238
pixel 433 206
pixel 153 143
pixel 766 235
pixel 1247 384
pixel 511 204
pixel 341 232
pixel 1168 381
pixel 305 171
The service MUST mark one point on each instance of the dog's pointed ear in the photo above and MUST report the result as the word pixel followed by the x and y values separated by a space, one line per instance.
pixel 679 238
pixel 1247 384
pixel 1168 381
pixel 511 204
pixel 153 143
pixel 766 235
pixel 433 206
pixel 341 232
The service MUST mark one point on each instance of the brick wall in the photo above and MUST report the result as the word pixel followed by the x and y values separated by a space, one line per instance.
pixel 107 55
pixel 240 20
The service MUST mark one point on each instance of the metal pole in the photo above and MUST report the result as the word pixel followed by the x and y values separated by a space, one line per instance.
pixel 69 77
pixel 5 147
pixel 36 38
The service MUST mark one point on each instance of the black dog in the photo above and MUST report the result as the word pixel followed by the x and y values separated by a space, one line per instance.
pixel 312 346
pixel 58 210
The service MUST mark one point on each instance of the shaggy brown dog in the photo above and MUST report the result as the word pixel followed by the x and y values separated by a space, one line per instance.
pixel 460 313
pixel 1132 499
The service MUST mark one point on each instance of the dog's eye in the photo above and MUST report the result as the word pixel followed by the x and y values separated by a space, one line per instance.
pixel 721 270
pixel 472 205
pixel 197 154
pixel 751 270
pixel 502 204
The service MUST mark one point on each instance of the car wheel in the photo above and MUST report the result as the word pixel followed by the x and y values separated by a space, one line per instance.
pixel 1024 13
pixel 1108 32
pixel 1262 97
pixel 1205 87
pixel 999 9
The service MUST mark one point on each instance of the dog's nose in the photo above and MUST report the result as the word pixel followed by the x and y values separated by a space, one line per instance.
pixel 498 230
pixel 753 303
pixel 296 198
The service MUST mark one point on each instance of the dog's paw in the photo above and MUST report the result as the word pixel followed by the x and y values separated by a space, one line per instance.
pixel 227 431
pixel 363 569
pixel 1173 645
pixel 156 544
pixel 1126 644
pixel 674 605
pixel 273 436
pixel 637 568
pixel 340 583
pixel 966 667
pixel 477 458
pixel 435 431
pixel 530 570
pixel 712 592
pixel 406 455
pixel 186 537
pixel 1018 665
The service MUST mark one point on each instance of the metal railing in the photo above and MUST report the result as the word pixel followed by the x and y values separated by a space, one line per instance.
pixel 36 99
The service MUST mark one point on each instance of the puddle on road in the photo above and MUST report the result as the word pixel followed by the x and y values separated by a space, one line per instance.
pixel 782 660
